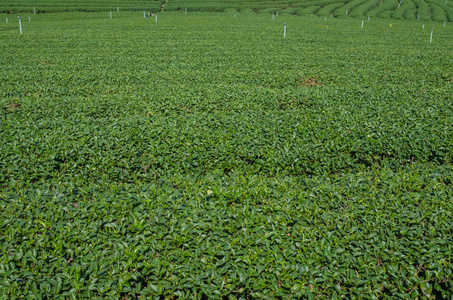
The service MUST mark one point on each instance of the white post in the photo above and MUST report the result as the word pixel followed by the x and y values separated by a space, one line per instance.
pixel 110 15
pixel 149 15
pixel 277 14
pixel 34 11
pixel 20 25
pixel 423 26
pixel 6 20
pixel 284 31
pixel 362 23
pixel 346 13
pixel 186 11
pixel 118 9
pixel 325 18
pixel 368 18
pixel 29 20
pixel 431 38
pixel 235 15
pixel 156 18
pixel 418 17
pixel 144 14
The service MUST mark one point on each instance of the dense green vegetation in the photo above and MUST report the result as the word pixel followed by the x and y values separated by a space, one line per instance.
pixel 436 10
pixel 207 156
pixel 20 6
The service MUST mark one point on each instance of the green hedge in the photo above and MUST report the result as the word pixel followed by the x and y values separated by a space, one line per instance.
pixel 389 5
pixel 363 9
pixel 341 11
pixel 403 9
pixel 311 10
pixel 423 10
pixel 328 9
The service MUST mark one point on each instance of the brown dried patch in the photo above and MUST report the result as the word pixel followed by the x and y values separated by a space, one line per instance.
pixel 309 82
pixel 11 106
pixel 45 63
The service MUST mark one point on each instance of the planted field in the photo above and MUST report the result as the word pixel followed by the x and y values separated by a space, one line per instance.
pixel 204 155
pixel 436 10
pixel 46 6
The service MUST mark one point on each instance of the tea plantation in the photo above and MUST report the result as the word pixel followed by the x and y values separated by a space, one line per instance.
pixel 436 10
pixel 202 155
